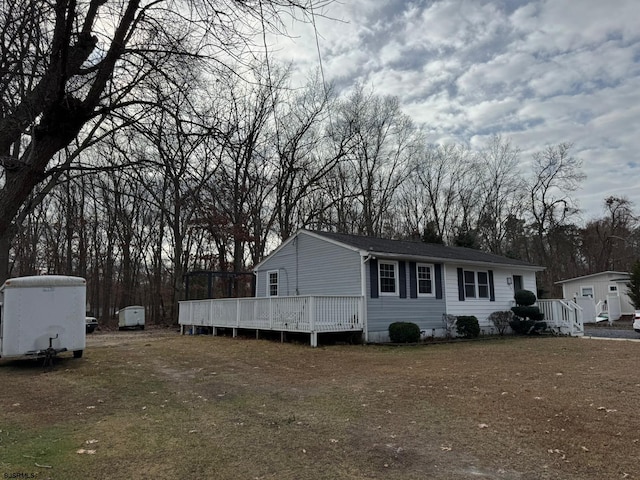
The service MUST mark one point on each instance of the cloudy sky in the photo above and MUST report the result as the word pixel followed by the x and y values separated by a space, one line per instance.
pixel 538 72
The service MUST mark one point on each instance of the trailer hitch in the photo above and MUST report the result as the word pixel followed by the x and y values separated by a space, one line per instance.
pixel 49 353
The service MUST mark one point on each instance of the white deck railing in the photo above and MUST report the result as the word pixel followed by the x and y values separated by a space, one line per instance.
pixel 565 316
pixel 307 314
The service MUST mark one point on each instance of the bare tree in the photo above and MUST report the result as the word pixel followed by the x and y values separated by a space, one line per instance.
pixel 383 143
pixel 502 189
pixel 69 65
pixel 556 174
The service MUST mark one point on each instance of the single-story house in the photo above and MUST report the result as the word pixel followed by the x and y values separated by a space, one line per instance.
pixel 607 289
pixel 398 280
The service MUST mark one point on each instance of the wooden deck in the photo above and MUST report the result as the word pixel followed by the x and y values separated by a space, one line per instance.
pixel 302 314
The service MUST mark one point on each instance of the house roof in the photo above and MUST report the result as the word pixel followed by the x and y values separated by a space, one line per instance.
pixel 416 249
pixel 625 276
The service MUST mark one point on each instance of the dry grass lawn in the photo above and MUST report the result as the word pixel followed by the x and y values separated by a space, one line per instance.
pixel 156 405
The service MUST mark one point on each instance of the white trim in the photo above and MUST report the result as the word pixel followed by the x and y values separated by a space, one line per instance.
pixel 269 272
pixel 396 274
pixel 432 274
pixel 363 291
pixel 613 289
pixel 608 272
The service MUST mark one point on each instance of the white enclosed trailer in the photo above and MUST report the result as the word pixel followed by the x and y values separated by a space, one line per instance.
pixel 42 316
pixel 131 317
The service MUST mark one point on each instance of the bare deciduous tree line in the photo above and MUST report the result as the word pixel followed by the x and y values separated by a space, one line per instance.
pixel 187 156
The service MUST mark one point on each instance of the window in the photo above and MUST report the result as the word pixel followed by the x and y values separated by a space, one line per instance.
pixel 483 285
pixel 613 289
pixel 424 273
pixel 476 284
pixel 469 284
pixel 272 284
pixel 388 278
pixel 586 292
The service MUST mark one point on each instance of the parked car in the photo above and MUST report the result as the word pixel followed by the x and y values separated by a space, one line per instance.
pixel 91 323
pixel 636 321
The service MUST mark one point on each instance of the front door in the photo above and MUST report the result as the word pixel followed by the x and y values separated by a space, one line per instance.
pixel 517 283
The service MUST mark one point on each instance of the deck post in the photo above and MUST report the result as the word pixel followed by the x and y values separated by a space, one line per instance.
pixel 237 312
pixel 235 332
pixel 312 321
pixel 215 331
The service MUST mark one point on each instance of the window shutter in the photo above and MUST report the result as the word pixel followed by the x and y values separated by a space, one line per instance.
pixel 402 279
pixel 413 281
pixel 373 277
pixel 438 279
pixel 460 285
pixel 492 290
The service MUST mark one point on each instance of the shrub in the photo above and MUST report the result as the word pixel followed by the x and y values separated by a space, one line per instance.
pixel 501 320
pixel 525 326
pixel 449 322
pixel 404 332
pixel 468 326
pixel 524 298
pixel 527 317
pixel 530 312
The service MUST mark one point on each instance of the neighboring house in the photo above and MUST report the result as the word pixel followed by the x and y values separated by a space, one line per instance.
pixel 399 280
pixel 607 289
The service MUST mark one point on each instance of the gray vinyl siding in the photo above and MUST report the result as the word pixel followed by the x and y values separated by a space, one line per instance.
pixel 481 308
pixel 426 312
pixel 310 266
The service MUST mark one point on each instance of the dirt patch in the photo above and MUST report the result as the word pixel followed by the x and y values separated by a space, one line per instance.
pixel 163 405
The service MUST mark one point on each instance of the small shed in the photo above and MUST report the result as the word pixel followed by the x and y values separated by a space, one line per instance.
pixel 607 289
pixel 131 317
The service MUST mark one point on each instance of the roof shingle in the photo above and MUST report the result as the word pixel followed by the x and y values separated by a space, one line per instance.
pixel 415 248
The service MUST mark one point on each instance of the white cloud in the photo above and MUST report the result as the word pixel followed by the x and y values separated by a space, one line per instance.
pixel 545 72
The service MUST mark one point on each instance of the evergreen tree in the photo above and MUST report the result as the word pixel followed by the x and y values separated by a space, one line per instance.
pixel 634 285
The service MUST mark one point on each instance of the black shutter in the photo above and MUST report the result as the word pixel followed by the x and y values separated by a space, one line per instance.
pixel 460 285
pixel 402 281
pixel 492 290
pixel 438 277
pixel 413 282
pixel 373 277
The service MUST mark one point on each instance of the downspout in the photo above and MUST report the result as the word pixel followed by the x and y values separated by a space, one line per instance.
pixel 364 257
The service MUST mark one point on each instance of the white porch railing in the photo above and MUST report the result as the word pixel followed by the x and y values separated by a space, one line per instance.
pixel 565 316
pixel 306 314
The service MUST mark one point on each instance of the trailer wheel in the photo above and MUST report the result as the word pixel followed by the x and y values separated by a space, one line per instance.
pixel 77 353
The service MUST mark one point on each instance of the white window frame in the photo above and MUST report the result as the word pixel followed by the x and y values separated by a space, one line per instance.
pixel 431 278
pixel 269 284
pixel 590 287
pixel 476 285
pixel 396 274
pixel 613 289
